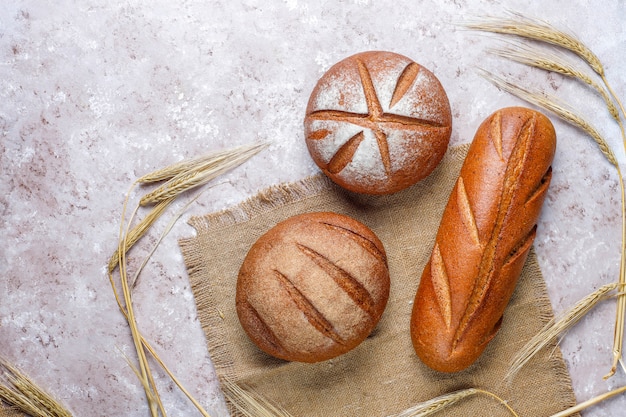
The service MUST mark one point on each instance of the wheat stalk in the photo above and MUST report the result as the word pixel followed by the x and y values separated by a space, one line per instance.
pixel 442 402
pixel 620 313
pixel 200 172
pixel 158 359
pixel 585 404
pixel 184 176
pixel 144 373
pixel 144 342
pixel 168 228
pixel 556 327
pixel 18 390
pixel 145 383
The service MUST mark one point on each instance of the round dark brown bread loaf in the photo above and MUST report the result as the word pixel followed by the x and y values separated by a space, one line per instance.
pixel 313 287
pixel 377 122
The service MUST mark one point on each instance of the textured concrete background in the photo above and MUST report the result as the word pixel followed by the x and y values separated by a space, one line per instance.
pixel 94 94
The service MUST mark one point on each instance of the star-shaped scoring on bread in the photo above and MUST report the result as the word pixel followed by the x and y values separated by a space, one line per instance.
pixel 376 119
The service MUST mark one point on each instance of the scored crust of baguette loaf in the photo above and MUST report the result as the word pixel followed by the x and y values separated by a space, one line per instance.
pixel 486 232
pixel 377 122
pixel 313 287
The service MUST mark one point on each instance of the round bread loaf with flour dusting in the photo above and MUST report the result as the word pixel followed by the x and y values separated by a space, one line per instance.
pixel 377 122
pixel 313 287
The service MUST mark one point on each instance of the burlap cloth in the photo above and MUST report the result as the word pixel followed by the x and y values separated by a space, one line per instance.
pixel 382 376
pixel 7 411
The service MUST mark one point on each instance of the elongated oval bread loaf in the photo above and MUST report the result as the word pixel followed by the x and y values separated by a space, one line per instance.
pixel 486 232
pixel 377 122
pixel 313 287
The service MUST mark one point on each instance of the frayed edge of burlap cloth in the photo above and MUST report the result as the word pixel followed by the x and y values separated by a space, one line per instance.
pixel 8 411
pixel 382 376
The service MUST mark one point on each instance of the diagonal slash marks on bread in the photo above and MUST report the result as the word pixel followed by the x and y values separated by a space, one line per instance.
pixel 344 280
pixel 312 287
pixel 511 177
pixel 485 235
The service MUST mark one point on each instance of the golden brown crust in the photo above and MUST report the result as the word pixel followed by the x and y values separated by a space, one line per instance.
pixel 485 234
pixel 377 122
pixel 313 287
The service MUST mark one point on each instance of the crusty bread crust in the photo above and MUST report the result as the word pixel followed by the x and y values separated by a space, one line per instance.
pixel 377 122
pixel 313 287
pixel 486 232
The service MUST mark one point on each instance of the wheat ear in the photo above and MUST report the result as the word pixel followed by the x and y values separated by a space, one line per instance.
pixel 554 105
pixel 554 62
pixel 185 165
pixel 139 230
pixel 442 402
pixel 21 392
pixel 250 403
pixel 202 171
pixel 556 327
pixel 539 30
pixel 531 28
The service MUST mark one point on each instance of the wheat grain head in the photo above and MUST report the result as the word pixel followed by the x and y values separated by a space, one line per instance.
pixel 556 327
pixel 203 171
pixel 539 30
pixel 442 402
pixel 553 61
pixel 250 403
pixel 18 390
pixel 554 105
